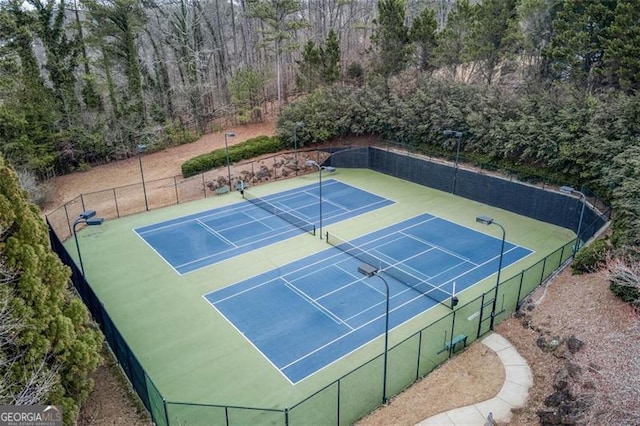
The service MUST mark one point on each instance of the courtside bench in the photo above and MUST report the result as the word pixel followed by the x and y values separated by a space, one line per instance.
pixel 222 189
pixel 450 345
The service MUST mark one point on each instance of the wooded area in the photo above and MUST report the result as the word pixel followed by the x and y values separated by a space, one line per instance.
pixel 85 82
pixel 544 86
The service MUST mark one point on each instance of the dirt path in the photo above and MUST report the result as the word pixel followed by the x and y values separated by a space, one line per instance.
pixel 156 165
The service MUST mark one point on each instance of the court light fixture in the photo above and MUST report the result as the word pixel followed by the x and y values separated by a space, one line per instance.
pixel 143 148
pixel 583 198
pixel 370 271
pixel 88 218
pixel 486 220
pixel 311 163
pixel 229 134
pixel 87 214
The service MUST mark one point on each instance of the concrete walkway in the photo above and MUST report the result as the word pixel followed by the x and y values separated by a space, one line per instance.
pixel 514 392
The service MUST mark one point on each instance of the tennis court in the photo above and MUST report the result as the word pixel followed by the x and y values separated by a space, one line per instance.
pixel 196 365
pixel 192 242
pixel 311 312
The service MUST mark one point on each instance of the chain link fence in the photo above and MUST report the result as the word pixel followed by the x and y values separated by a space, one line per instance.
pixel 358 392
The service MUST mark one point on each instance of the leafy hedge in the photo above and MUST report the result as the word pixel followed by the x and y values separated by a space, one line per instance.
pixel 592 257
pixel 248 149
pixel 550 133
pixel 628 294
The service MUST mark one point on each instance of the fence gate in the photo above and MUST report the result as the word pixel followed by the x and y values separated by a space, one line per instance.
pixel 486 310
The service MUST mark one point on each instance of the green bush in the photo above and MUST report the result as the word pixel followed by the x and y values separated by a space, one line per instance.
pixel 218 158
pixel 591 258
pixel 628 294
pixel 177 134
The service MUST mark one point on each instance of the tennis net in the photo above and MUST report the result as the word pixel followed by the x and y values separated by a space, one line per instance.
pixel 412 279
pixel 281 213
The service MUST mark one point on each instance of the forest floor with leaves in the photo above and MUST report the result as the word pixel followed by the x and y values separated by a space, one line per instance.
pixel 605 370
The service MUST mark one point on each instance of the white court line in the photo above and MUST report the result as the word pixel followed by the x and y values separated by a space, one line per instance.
pixel 325 311
pixel 247 339
pixel 479 266
pixel 215 233
pixel 238 293
pixel 302 268
pixel 353 330
pixel 418 295
pixel 439 247
pixel 395 263
pixel 335 290
pixel 242 209
pixel 156 252
pixel 218 253
pixel 226 211
pixel 400 265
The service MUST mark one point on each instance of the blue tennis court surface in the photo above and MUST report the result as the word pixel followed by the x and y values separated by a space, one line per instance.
pixel 310 313
pixel 198 240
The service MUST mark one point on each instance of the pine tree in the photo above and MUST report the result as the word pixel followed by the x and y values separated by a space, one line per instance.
pixel 116 24
pixel 391 37
pixel 319 64
pixel 493 34
pixel 453 47
pixel 247 94
pixel 28 113
pixel 55 347
pixel 580 31
pixel 621 57
pixel 308 77
pixel 61 56
pixel 423 35
pixel 330 57
pixel 282 19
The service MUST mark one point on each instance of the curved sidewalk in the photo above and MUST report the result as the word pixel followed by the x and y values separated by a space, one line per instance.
pixel 514 392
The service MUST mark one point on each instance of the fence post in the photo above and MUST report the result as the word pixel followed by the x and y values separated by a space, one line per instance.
pixel 166 411
pixel 338 405
pixel 204 186
pixel 82 202
pixel 175 185
pixel 519 290
pixel 544 264
pixel 66 213
pixel 453 330
pixel 419 351
pixel 286 417
pixel 480 317
pixel 115 200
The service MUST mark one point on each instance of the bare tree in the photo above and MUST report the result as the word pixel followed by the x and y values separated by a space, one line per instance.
pixel 623 273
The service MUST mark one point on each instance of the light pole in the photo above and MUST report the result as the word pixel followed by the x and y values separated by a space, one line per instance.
pixel 485 220
pixel 458 135
pixel 583 198
pixel 370 271
pixel 230 134
pixel 312 163
pixel 143 148
pixel 296 126
pixel 86 217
